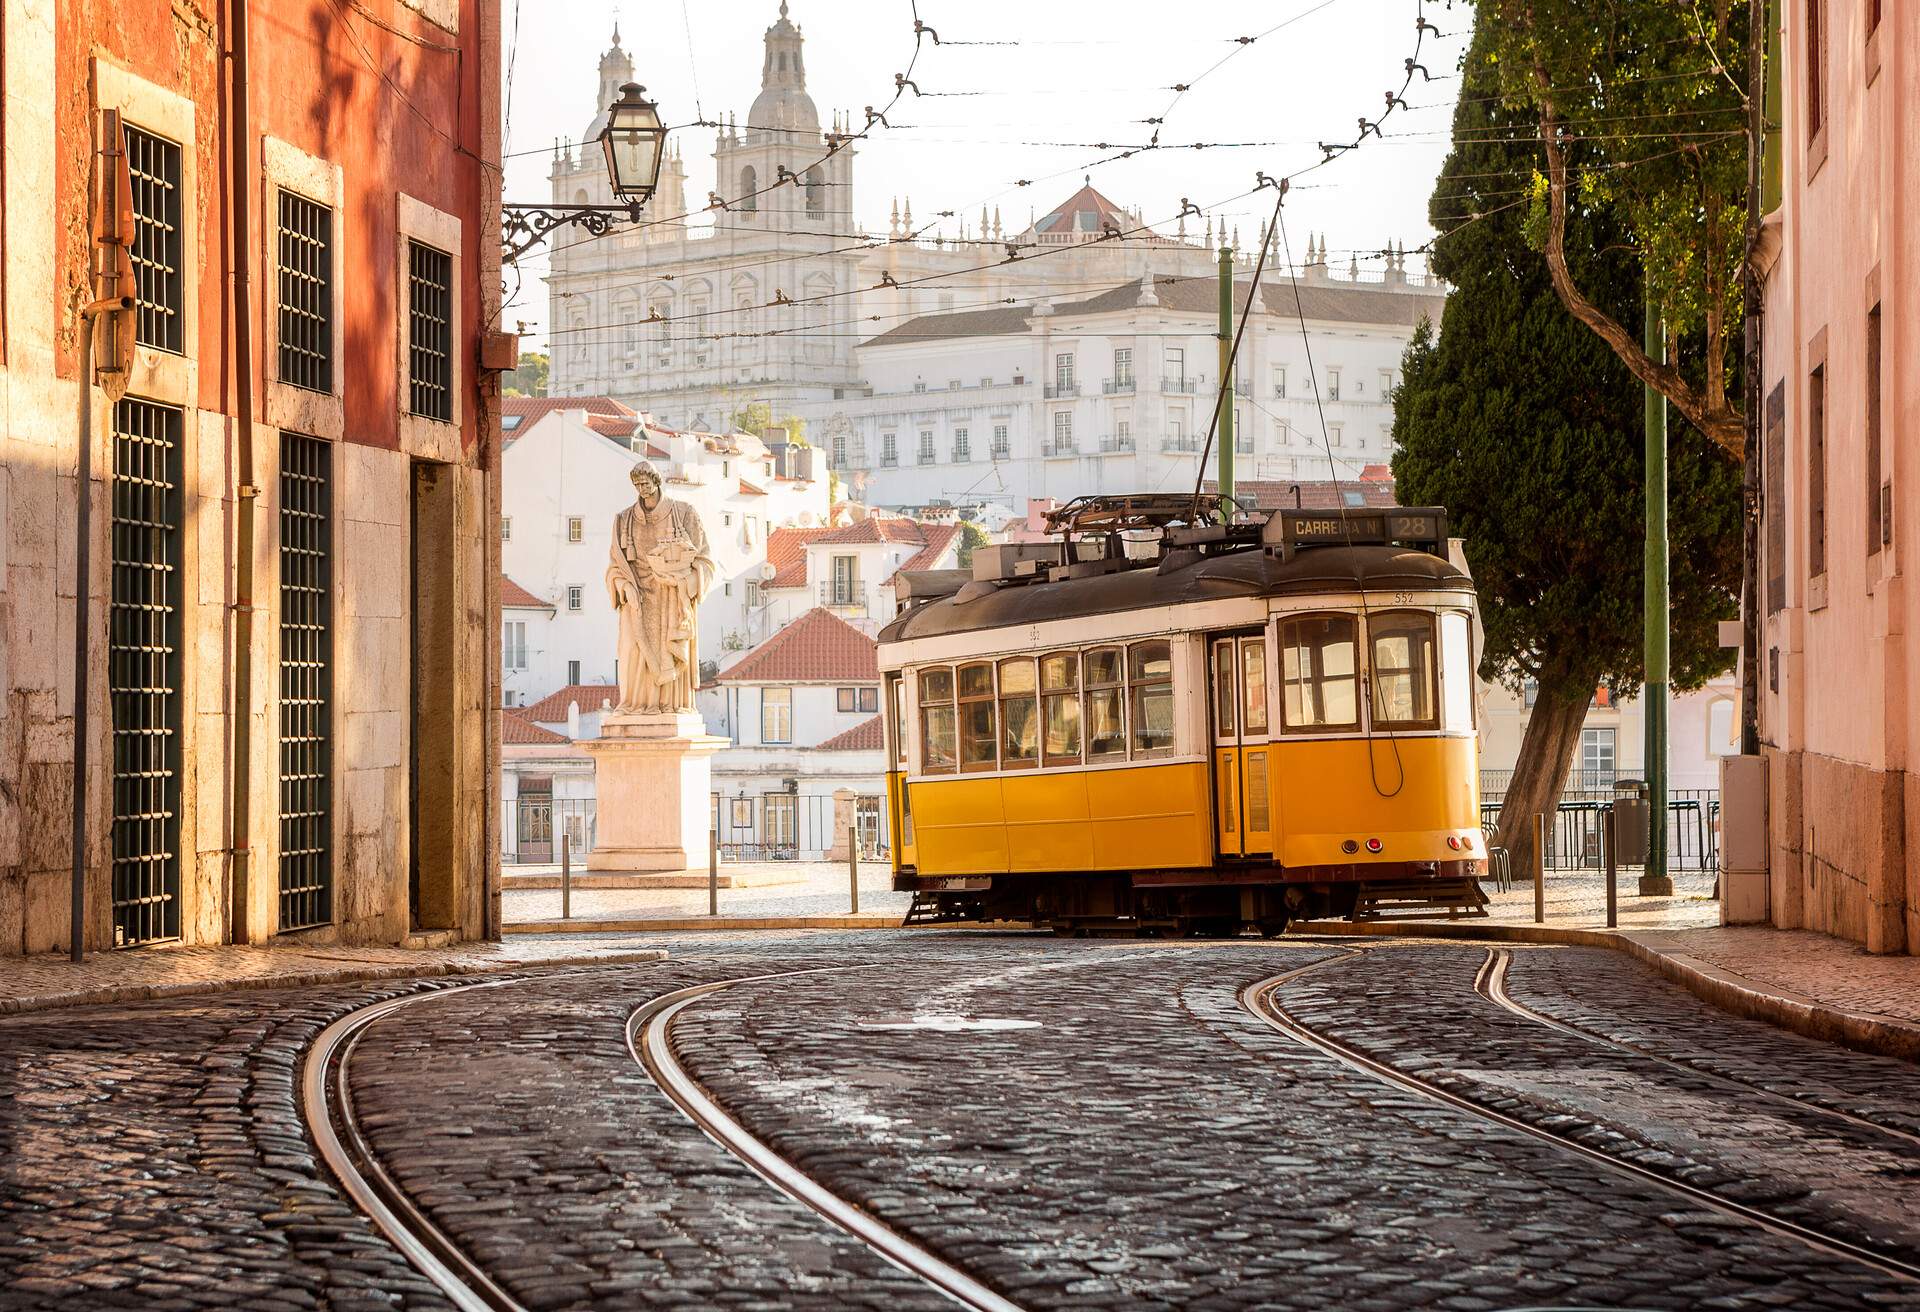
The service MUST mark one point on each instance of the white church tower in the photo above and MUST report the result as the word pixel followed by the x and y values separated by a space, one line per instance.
pixel 783 138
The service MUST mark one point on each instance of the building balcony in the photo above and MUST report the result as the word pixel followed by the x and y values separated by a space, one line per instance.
pixel 962 455
pixel 1118 386
pixel 1116 442
pixel 846 599
pixel 1002 453
pixel 1056 391
pixel 1181 386
pixel 1179 444
pixel 1057 448
pixel 925 458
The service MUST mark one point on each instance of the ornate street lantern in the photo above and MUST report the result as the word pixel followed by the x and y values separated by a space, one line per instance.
pixel 635 142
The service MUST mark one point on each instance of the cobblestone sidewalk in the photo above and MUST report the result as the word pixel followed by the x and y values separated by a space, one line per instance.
pixel 39 982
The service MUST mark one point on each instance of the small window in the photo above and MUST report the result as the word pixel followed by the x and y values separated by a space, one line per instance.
pixel 1060 708
pixel 776 715
pixel 506 528
pixel 430 318
pixel 1816 67
pixel 576 529
pixel 1404 696
pixel 939 746
pixel 1223 689
pixel 1333 384
pixel 153 169
pixel 870 700
pixel 1106 720
pixel 898 689
pixel 1253 684
pixel 573 673
pixel 1019 715
pixel 574 595
pixel 974 684
pixel 1150 692
pixel 846 699
pixel 1318 673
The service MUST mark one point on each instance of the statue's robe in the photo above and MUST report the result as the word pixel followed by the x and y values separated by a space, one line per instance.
pixel 659 661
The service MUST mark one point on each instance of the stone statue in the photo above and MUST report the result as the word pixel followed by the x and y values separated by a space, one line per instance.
pixel 660 568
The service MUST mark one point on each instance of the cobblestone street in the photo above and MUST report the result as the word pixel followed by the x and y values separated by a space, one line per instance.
pixel 1071 1123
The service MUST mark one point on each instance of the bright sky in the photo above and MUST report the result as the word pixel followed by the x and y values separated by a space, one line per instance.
pixel 1031 101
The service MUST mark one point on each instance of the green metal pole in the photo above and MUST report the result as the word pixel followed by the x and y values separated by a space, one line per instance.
pixel 1226 371
pixel 1654 880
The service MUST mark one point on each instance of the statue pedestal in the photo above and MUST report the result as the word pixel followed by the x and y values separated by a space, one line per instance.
pixel 653 789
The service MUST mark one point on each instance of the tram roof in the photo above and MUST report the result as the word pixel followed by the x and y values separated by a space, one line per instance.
pixel 1251 573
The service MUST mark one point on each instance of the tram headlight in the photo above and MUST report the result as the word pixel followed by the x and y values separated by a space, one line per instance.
pixel 1349 847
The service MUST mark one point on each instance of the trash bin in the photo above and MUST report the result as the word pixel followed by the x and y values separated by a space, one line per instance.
pixel 1630 829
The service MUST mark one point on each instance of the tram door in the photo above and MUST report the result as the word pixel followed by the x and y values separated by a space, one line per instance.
pixel 1243 813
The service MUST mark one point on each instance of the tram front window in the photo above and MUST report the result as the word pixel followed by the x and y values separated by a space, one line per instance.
pixel 938 745
pixel 1319 674
pixel 1403 691
pixel 1106 721
pixel 976 717
pixel 1150 678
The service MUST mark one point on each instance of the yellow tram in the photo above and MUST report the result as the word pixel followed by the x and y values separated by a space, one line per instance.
pixel 1177 718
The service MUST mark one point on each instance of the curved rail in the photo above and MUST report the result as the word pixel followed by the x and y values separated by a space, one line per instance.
pixel 327 1106
pixel 1258 998
pixel 649 1039
pixel 1491 984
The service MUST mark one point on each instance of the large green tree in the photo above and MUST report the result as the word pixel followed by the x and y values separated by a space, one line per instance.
pixel 530 379
pixel 1528 428
pixel 1639 104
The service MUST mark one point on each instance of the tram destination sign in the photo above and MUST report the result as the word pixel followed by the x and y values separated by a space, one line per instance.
pixel 1424 527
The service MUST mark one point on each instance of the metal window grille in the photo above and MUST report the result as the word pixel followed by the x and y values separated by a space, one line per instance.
pixel 306 293
pixel 306 682
pixel 430 308
pixel 143 672
pixel 153 166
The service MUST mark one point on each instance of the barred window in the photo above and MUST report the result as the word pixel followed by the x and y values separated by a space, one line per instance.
pixel 306 682
pixel 306 293
pixel 153 166
pixel 430 311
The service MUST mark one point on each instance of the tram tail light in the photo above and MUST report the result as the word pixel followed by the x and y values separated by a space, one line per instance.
pixel 1374 845
pixel 1453 842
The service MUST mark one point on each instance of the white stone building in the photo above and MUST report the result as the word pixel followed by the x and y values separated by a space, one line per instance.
pixel 635 314
pixel 802 715
pixel 1115 392
pixel 850 570
pixel 566 475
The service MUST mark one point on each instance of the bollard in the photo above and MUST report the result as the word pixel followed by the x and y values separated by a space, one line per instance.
pixel 853 866
pixel 1613 872
pixel 566 878
pixel 1539 869
pixel 713 872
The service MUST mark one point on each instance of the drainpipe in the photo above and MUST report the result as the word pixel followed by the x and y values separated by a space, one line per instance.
pixel 239 139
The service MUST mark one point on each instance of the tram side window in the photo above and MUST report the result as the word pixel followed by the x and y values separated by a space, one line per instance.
pixel 975 688
pixel 1456 671
pixel 1404 696
pixel 1150 682
pixel 1060 703
pixel 1106 721
pixel 897 699
pixel 1019 715
pixel 938 746
pixel 1319 674
pixel 1253 684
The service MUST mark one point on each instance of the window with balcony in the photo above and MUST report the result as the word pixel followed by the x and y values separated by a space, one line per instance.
pixel 1001 444
pixel 889 450
pixel 1063 371
pixel 1123 368
pixel 844 589
pixel 926 446
pixel 962 445
pixel 1063 433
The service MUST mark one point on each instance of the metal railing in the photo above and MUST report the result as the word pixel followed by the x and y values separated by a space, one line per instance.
pixel 1183 385
pixel 777 826
pixel 1116 443
pixel 1575 841
pixel 1179 444
pixel 1057 390
pixel 1057 447
pixel 1117 386
pixel 842 595
pixel 538 822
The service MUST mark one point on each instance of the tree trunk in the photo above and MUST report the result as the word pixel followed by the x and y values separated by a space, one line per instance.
pixel 1540 773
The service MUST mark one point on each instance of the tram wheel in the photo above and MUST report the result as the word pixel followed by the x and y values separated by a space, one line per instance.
pixel 1273 928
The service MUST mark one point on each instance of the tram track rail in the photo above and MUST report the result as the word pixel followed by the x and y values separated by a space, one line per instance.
pixel 1491 984
pixel 1260 1000
pixel 649 1038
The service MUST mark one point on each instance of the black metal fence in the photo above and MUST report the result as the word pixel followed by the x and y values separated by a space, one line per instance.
pixel 1575 842
pixel 782 826
pixel 539 822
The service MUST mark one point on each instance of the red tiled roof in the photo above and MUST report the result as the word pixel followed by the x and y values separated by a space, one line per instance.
pixel 515 596
pixel 1084 211
pixel 787 553
pixel 517 730
pixel 552 709
pixel 939 537
pixel 749 490
pixel 612 425
pixel 819 647
pixel 863 737
pixel 877 528
pixel 532 409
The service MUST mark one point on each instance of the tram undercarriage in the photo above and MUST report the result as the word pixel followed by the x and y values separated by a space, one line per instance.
pixel 1180 903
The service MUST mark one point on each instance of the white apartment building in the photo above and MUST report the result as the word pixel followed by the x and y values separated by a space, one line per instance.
pixel 1115 392
pixel 566 475
pixel 850 570
pixel 802 712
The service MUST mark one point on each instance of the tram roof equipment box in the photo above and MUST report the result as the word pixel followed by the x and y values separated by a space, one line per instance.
pixel 1423 528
